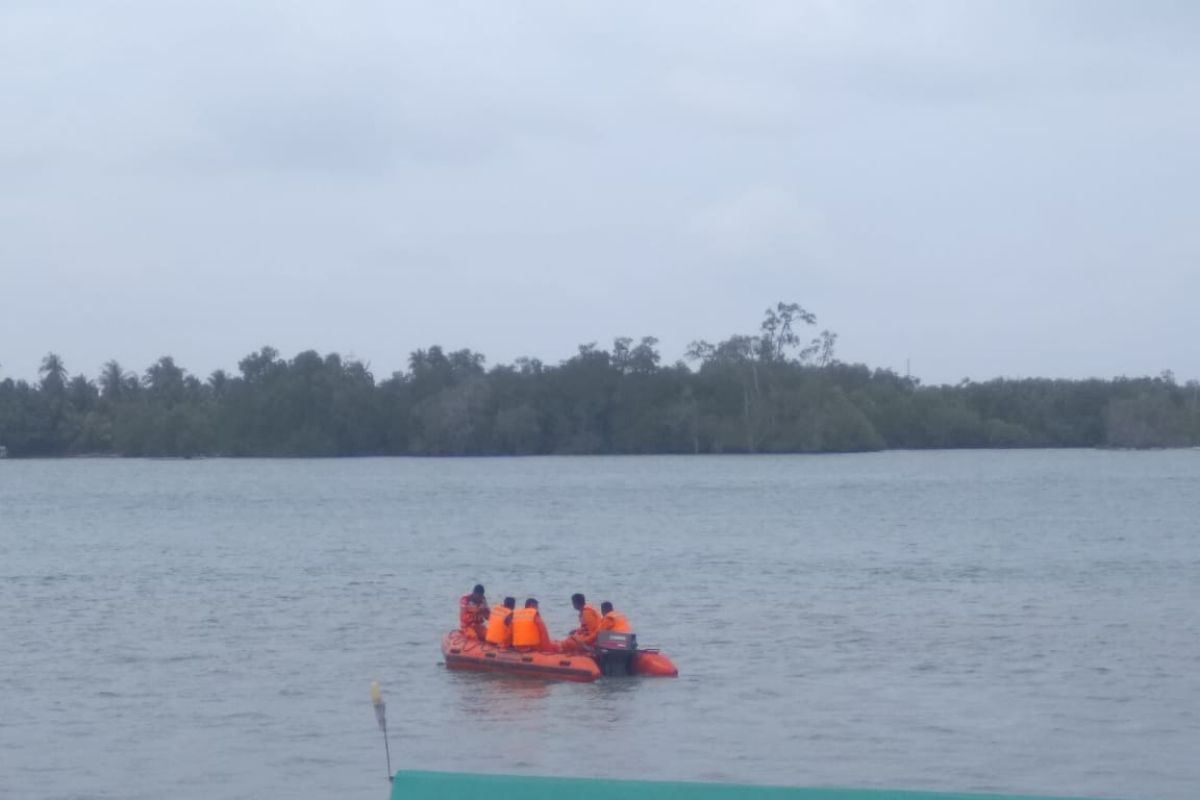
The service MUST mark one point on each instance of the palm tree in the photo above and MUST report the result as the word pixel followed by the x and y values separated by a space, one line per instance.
pixel 165 380
pixel 112 381
pixel 219 382
pixel 54 374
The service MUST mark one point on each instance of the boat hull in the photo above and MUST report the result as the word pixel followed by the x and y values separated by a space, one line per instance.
pixel 654 664
pixel 462 653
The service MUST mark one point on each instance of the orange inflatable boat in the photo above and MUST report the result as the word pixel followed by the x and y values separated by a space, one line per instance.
pixel 464 653
pixel 617 653
pixel 652 663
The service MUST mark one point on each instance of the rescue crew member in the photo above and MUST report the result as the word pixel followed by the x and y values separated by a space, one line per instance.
pixel 582 638
pixel 529 630
pixel 613 620
pixel 499 626
pixel 472 611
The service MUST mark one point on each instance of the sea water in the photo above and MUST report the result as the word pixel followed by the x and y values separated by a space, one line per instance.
pixel 1007 621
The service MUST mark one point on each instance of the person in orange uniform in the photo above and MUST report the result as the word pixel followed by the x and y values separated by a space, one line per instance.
pixel 582 638
pixel 529 630
pixel 613 620
pixel 499 626
pixel 472 613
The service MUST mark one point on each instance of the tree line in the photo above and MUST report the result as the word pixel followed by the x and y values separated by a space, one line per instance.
pixel 774 391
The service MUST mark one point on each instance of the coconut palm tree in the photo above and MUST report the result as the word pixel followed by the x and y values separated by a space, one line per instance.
pixel 54 374
pixel 113 381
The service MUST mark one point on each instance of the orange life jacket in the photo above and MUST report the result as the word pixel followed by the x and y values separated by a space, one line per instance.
pixel 468 612
pixel 589 619
pixel 615 621
pixel 497 631
pixel 525 628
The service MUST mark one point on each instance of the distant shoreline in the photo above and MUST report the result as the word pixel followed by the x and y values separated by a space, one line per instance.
pixel 497 456
pixel 766 393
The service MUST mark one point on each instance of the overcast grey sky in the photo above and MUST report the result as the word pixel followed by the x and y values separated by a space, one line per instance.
pixel 1007 188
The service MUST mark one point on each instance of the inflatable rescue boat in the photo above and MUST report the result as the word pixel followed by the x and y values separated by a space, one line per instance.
pixel 616 654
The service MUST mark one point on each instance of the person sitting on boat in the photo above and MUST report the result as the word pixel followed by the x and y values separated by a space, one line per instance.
pixel 613 620
pixel 499 626
pixel 472 612
pixel 529 630
pixel 582 638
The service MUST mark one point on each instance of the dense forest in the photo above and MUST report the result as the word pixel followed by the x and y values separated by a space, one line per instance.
pixel 775 391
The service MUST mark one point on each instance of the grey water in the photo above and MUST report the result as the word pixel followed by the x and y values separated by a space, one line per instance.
pixel 1019 621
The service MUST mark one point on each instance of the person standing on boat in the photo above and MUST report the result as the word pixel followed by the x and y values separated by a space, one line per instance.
pixel 529 630
pixel 472 613
pixel 613 620
pixel 499 626
pixel 582 638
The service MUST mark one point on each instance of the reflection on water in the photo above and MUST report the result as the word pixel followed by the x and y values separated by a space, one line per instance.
pixel 507 700
pixel 495 695
pixel 614 699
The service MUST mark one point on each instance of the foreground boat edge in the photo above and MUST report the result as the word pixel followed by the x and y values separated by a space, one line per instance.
pixel 424 785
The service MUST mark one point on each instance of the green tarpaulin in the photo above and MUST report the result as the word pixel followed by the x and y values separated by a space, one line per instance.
pixel 414 785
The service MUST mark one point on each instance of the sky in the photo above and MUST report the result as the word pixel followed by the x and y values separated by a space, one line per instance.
pixel 960 189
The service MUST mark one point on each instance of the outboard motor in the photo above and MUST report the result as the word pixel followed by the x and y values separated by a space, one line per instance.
pixel 615 652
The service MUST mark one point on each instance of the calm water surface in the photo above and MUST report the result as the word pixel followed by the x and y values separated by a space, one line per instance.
pixel 983 621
